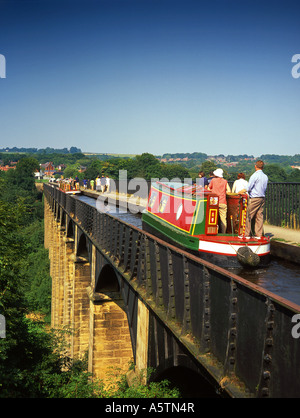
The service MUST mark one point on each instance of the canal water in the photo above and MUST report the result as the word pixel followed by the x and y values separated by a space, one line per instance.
pixel 280 277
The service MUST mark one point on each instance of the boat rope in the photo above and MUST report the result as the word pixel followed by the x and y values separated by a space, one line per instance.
pixel 245 216
pixel 232 247
pixel 246 246
pixel 257 249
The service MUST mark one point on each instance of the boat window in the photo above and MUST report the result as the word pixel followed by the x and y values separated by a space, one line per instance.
pixel 163 203
pixel 152 199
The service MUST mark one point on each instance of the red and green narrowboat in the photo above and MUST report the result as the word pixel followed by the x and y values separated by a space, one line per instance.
pixel 187 216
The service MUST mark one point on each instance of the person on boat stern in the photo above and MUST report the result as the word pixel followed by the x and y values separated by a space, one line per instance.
pixel 257 191
pixel 220 186
pixel 240 184
pixel 202 181
pixel 211 176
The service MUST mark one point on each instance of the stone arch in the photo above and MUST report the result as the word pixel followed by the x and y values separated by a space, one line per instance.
pixel 82 247
pixel 107 280
pixel 57 212
pixel 70 229
pixel 63 219
pixel 110 339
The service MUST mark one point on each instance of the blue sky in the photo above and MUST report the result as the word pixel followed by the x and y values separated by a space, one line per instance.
pixel 158 76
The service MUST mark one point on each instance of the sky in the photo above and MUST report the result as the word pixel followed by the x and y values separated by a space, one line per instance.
pixel 157 76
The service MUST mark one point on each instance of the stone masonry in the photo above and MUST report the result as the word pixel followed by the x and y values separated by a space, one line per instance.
pixel 97 326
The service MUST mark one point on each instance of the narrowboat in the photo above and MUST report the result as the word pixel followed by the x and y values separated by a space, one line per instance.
pixel 69 187
pixel 187 216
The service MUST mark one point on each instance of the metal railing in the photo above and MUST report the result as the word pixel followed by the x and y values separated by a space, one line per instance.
pixel 283 205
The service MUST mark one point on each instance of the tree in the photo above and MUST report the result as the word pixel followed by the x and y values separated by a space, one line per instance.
pixel 74 150
pixel 172 171
pixel 71 171
pixel 33 359
pixel 24 173
pixel 208 166
pixel 147 166
pixel 94 169
pixel 294 176
pixel 275 173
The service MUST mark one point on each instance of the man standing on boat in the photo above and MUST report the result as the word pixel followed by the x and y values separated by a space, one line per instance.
pixel 220 186
pixel 257 191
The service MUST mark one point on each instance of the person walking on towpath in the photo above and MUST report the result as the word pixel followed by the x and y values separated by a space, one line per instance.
pixel 257 192
pixel 98 184
pixel 103 183
pixel 107 183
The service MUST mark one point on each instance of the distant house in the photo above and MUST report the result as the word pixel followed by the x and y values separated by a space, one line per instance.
pixel 82 169
pixel 6 168
pixel 47 169
pixel 232 164
pixel 61 167
pixel 11 165
pixel 38 175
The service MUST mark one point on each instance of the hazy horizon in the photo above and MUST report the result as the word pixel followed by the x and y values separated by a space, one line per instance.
pixel 165 76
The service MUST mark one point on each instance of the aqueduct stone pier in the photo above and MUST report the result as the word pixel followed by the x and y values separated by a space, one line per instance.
pixel 130 296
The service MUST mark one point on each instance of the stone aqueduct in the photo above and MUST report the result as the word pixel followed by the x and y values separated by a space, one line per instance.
pixel 129 296
pixel 102 315
pixel 77 306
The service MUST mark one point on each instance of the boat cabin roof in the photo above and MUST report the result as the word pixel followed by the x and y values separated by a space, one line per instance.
pixel 182 188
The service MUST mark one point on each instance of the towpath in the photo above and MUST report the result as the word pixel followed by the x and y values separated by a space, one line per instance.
pixel 290 236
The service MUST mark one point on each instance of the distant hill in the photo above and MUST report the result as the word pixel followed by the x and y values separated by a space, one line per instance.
pixel 48 150
pixel 100 154
pixel 199 157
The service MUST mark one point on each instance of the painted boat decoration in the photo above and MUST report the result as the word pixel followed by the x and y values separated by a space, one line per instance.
pixel 69 187
pixel 187 216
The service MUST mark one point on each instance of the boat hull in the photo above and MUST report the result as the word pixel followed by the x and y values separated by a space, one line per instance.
pixel 72 192
pixel 187 217
pixel 221 251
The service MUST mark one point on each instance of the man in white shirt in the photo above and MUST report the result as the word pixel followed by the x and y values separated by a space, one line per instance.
pixel 98 184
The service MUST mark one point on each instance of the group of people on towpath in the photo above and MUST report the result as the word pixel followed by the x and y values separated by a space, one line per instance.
pixel 100 184
pixel 255 188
